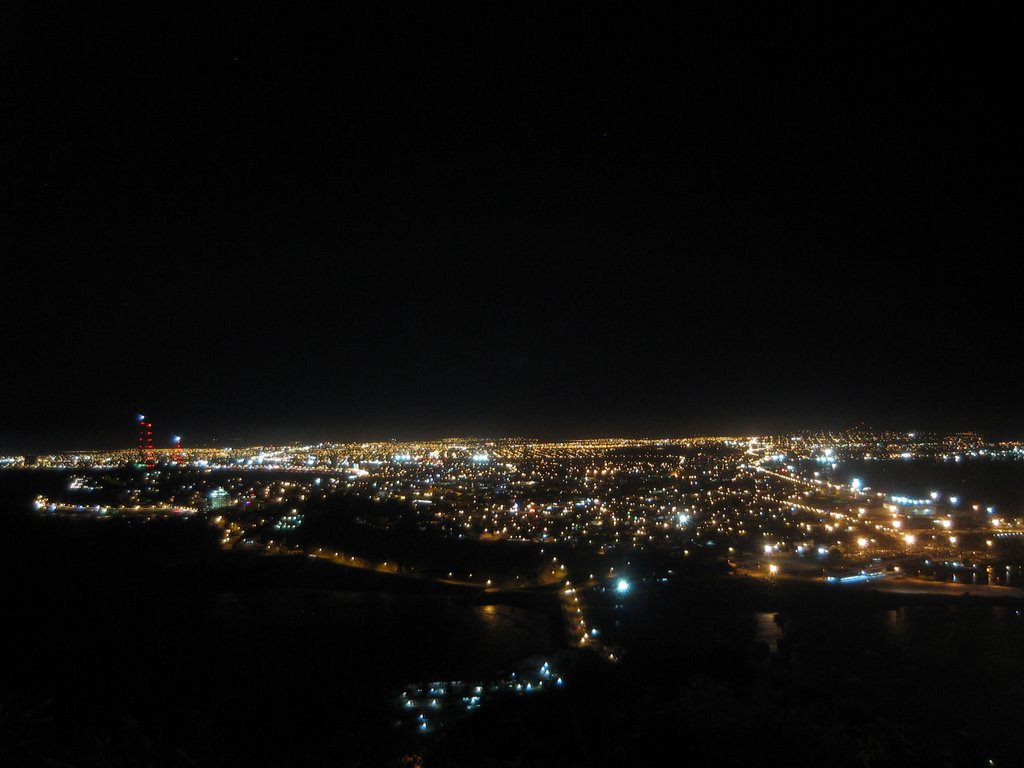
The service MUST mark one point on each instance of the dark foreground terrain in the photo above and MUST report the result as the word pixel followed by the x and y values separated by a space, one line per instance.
pixel 141 643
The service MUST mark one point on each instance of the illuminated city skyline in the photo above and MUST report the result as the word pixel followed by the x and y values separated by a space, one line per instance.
pixel 570 385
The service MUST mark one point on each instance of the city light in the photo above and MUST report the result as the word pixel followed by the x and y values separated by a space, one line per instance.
pixel 764 508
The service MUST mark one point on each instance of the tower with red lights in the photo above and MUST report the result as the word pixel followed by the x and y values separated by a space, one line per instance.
pixel 146 454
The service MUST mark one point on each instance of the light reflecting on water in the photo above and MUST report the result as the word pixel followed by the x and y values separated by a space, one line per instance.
pixel 894 622
pixel 767 630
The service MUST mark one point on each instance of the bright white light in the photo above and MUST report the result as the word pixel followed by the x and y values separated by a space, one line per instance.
pixel 910 538
pixel 622 586
pixel 773 569
pixel 855 483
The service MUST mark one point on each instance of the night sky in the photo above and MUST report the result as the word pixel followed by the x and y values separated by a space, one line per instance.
pixel 511 221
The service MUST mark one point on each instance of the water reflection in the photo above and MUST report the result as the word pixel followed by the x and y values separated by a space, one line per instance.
pixel 767 630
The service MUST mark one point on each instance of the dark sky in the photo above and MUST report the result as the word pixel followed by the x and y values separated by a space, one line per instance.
pixel 510 221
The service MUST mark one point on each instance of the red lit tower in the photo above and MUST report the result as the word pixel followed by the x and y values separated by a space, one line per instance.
pixel 146 455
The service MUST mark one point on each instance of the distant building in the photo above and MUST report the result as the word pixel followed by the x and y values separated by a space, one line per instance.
pixel 219 498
